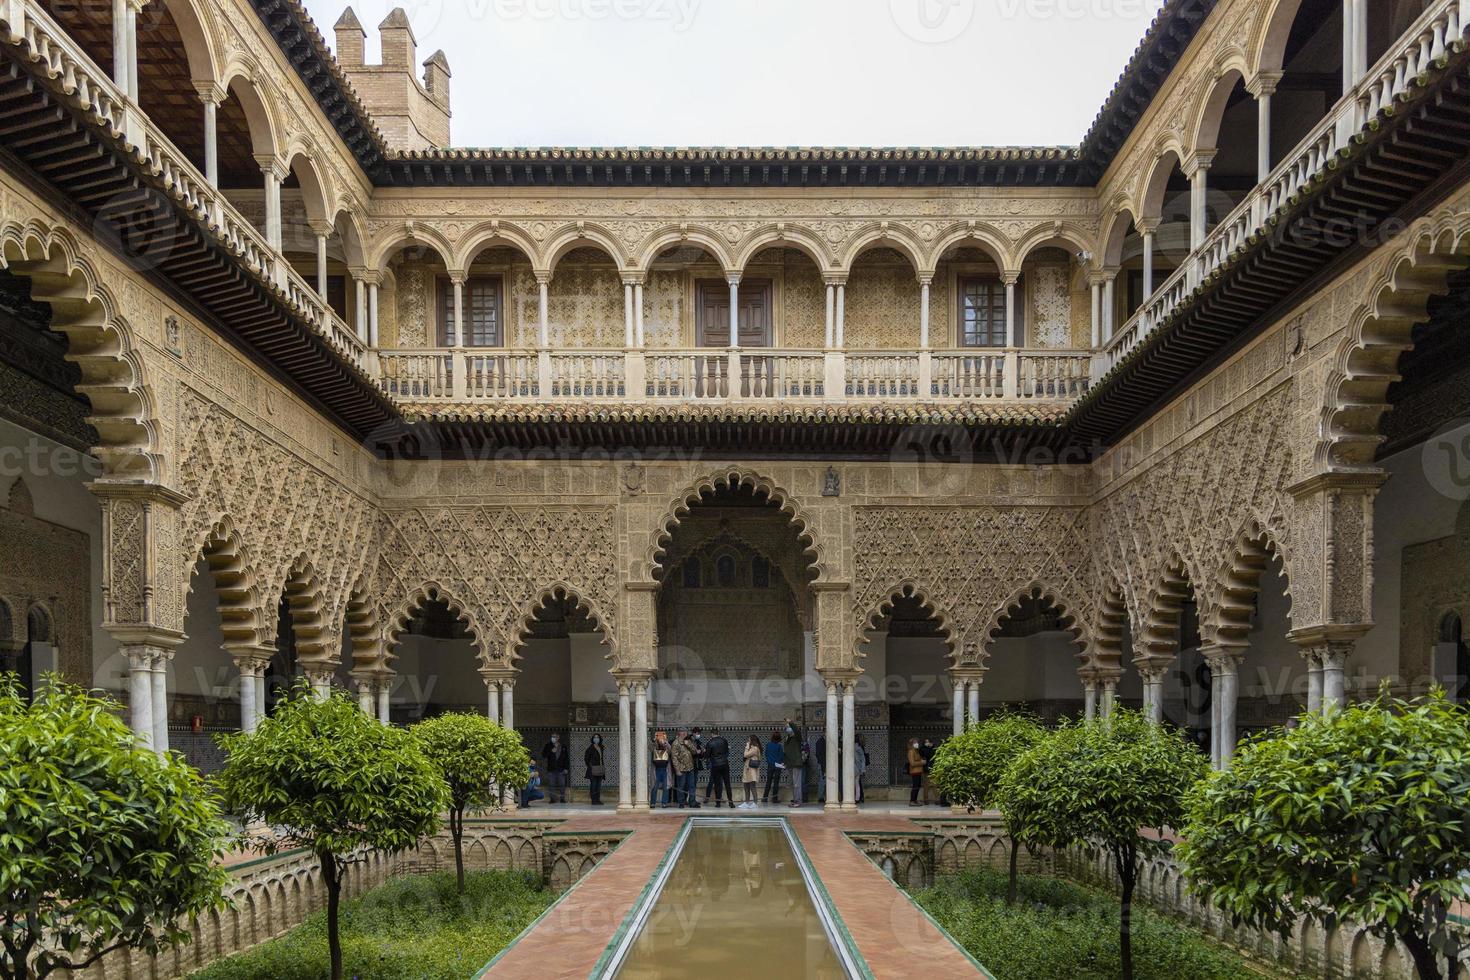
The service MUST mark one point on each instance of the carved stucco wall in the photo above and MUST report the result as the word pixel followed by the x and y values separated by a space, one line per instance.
pixel 47 566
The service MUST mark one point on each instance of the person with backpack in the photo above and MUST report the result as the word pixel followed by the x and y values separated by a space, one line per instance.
pixel 717 754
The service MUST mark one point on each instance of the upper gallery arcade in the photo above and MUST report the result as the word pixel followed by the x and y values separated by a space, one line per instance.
pixel 356 404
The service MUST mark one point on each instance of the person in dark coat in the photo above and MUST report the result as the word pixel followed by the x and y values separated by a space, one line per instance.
pixel 596 770
pixel 717 754
pixel 774 755
pixel 794 762
pixel 556 766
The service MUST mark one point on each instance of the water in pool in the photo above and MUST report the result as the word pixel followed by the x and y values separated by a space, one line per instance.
pixel 734 905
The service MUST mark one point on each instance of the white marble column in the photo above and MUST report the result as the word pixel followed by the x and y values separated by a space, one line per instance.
pixel 840 325
pixel 1148 264
pixel 640 745
pixel 321 265
pixel 385 700
pixel 210 101
pixel 272 178
pixel 1229 700
pixel 140 693
pixel 734 282
pixel 831 734
pixel 625 746
pixel 321 683
pixel 373 313
pixel 360 319
pixel 159 684
pixel 849 746
pixel 132 40
pixel 831 315
pixel 120 44
pixel 1265 87
pixel 1109 696
pixel 260 689
pixel 492 700
pixel 1097 313
pixel 628 332
pixel 973 693
pixel 959 705
pixel 638 338
pixel 1109 307
pixel 508 704
pixel 1334 680
pixel 1089 699
pixel 924 312
pixel 1010 281
pixel 457 281
pixel 252 709
pixel 1314 680
pixel 543 309
pixel 1153 693
pixel 1198 197
pixel 365 695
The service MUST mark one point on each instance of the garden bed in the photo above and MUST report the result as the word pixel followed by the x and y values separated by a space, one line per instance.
pixel 413 926
pixel 1058 928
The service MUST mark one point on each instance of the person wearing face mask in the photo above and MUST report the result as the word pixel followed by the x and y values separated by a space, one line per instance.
pixel 916 771
pixel 596 769
pixel 556 766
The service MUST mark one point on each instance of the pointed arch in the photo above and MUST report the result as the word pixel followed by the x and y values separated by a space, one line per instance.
pixel 1110 627
pixel 1227 622
pixel 706 238
pixel 782 235
pixel 907 588
pixel 398 621
pixel 236 584
pixel 1380 330
pixel 305 602
pixel 99 342
pixel 652 566
pixel 363 619
pixel 1163 613
pixel 1067 619
pixel 562 592
pixel 582 235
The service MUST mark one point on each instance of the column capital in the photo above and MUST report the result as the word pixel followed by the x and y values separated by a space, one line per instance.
pixel 1010 276
pixel 926 277
pixel 272 165
pixel 1264 84
pixel 1146 226
pixel 1198 162
pixel 733 278
pixel 457 277
pixel 1222 659
pixel 543 276
pixel 144 636
pixel 321 229
pixel 834 278
pixel 210 92
pixel 252 660
pixel 633 277
pixel 499 675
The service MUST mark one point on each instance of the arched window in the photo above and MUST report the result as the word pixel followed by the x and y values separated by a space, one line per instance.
pixel 691 573
pixel 1452 658
pixel 725 571
pixel 760 573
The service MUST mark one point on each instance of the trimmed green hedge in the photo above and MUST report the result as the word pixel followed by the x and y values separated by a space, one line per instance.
pixel 1061 929
pixel 413 926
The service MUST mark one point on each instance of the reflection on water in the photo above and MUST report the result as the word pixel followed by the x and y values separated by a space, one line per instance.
pixel 734 905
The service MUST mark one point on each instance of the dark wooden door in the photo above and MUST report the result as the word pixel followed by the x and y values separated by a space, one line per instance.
pixel 712 303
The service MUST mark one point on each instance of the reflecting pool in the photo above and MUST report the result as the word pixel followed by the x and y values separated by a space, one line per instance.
pixel 734 903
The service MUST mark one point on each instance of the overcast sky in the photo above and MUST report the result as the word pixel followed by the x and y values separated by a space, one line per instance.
pixel 770 72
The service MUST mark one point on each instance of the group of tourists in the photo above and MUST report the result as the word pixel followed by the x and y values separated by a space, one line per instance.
pixel 785 759
pixel 554 773
pixel 920 761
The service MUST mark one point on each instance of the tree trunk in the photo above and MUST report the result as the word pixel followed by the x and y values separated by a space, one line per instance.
pixel 456 830
pixel 1127 873
pixel 1011 886
pixel 330 875
pixel 1426 960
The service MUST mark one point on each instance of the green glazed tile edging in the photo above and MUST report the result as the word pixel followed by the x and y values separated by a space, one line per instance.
pixel 622 929
pixel 825 898
pixel 485 970
pixel 923 911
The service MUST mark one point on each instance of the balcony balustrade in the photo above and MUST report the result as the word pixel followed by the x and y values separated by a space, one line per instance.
pixel 752 375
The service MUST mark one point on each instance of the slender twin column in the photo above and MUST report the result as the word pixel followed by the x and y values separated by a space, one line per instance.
pixel 456 279
pixel 270 168
pixel 924 282
pixel 625 746
pixel 1153 690
pixel 966 696
pixel 148 691
pixel 1097 285
pixel 385 699
pixel 253 665
pixel 830 763
pixel 210 96
pixel 734 281
pixel 640 743
pixel 1089 698
pixel 543 308
pixel 1326 671
pixel 1224 693
pixel 1010 280
pixel 836 311
pixel 1148 261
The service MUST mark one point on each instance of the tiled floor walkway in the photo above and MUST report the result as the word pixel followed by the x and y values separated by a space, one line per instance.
pixel 895 938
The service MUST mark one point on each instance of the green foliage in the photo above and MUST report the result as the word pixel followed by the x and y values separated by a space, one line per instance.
pixel 103 844
pixel 968 767
pixel 471 752
pixel 1103 785
pixel 416 926
pixel 1363 813
pixel 327 777
pixel 1062 929
pixel 1100 784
